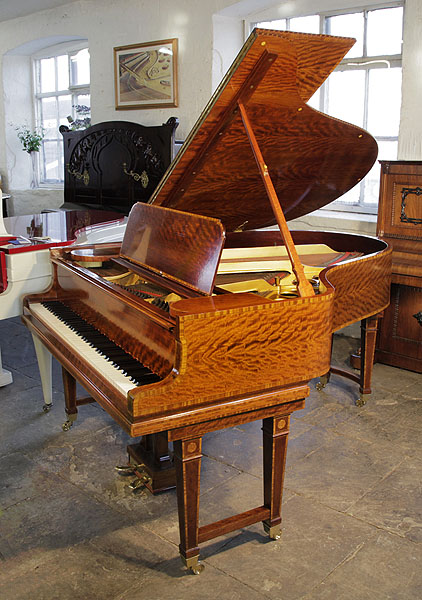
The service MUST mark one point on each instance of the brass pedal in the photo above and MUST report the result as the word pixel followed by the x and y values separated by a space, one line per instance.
pixel 125 470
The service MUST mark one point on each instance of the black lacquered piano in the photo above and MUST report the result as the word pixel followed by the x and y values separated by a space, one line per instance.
pixel 202 319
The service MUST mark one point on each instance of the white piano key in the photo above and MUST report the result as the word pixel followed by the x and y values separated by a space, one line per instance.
pixel 83 350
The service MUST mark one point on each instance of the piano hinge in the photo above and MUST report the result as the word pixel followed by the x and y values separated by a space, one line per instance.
pixel 241 226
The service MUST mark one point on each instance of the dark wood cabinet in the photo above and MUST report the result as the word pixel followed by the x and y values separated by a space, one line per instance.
pixel 400 223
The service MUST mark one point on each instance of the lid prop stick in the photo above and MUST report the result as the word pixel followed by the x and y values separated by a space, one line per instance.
pixel 303 286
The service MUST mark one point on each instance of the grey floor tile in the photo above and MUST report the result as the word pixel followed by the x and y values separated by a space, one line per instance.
pixel 395 503
pixel 314 541
pixel 70 528
pixel 59 517
pixel 382 567
pixel 342 470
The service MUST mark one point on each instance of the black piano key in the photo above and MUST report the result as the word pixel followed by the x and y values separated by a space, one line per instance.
pixel 145 296
pixel 121 360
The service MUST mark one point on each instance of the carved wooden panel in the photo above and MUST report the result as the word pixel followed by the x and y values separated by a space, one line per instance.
pixel 115 164
pixel 400 223
pixel 400 339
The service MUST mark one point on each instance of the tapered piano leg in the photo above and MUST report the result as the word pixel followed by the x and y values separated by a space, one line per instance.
pixel 44 365
pixel 69 385
pixel 369 328
pixel 5 376
pixel 275 435
pixel 187 458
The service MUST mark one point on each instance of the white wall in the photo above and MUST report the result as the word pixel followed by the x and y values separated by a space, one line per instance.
pixel 210 32
pixel 106 24
pixel 410 136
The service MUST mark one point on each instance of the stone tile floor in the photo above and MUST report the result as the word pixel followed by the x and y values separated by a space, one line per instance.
pixel 70 528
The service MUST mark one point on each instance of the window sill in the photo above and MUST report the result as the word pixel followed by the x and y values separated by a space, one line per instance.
pixel 333 220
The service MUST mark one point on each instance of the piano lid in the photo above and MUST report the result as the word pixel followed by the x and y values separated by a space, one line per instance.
pixel 312 158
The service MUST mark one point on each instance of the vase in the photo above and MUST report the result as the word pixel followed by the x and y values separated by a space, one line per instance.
pixel 34 162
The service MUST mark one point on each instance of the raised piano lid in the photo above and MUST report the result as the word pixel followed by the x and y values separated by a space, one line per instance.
pixel 312 158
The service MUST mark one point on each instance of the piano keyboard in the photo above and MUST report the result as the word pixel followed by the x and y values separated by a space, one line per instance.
pixel 103 355
pixel 156 301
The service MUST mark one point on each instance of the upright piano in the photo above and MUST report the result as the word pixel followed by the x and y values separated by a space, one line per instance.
pixel 202 319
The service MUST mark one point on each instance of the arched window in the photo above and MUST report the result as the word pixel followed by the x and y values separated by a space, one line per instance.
pixel 62 97
pixel 365 89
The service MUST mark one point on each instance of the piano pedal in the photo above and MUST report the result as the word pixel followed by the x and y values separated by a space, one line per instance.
pixel 140 482
pixel 129 469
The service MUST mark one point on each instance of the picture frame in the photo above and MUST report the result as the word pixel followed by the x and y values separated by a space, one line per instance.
pixel 145 75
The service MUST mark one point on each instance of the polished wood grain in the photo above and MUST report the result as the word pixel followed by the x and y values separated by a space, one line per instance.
pixel 240 349
pixel 187 450
pixel 361 284
pixel 303 286
pixel 311 158
pixel 182 247
pixel 400 223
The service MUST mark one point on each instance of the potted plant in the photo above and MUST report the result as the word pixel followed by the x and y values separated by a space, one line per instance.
pixel 31 141
pixel 83 117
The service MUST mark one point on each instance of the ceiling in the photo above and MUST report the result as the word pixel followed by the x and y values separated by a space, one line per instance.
pixel 10 9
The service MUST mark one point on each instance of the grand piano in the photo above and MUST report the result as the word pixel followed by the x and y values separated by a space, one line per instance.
pixel 202 319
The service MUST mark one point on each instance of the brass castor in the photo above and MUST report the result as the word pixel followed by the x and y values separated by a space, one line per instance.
pixel 323 380
pixel 273 532
pixel 361 401
pixel 197 569
pixel 193 564
pixel 46 407
pixel 71 418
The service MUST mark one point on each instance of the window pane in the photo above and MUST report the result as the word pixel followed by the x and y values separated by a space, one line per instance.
pixel 346 95
pixel 351 25
pixel 84 101
pixel 79 65
pixel 82 110
pixel 49 116
pixel 386 151
pixel 51 154
pixel 65 109
pixel 385 31
pixel 47 75
pixel 305 24
pixel 62 72
pixel 384 101
pixel 351 197
pixel 280 24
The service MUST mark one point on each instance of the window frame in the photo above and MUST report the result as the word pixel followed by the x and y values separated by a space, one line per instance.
pixel 365 62
pixel 69 49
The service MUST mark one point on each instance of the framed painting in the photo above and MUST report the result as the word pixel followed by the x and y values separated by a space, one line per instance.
pixel 145 75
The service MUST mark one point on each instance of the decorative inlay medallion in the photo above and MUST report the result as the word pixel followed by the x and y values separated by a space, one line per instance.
pixel 418 317
pixel 403 216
